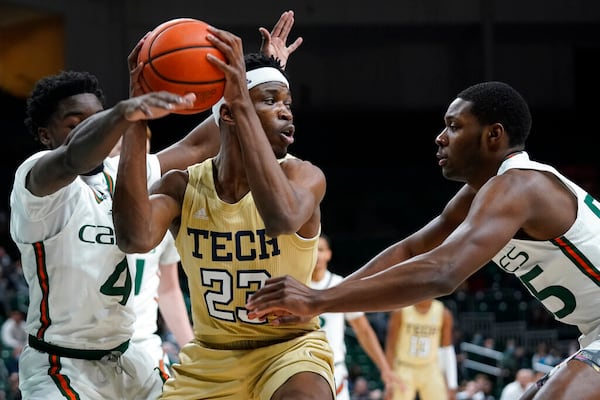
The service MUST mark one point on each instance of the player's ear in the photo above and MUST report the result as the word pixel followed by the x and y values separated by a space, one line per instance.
pixel 496 131
pixel 44 136
pixel 226 115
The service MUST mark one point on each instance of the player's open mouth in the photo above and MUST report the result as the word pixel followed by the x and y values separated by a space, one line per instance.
pixel 442 160
pixel 288 134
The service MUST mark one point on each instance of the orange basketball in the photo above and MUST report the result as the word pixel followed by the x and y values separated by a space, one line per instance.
pixel 174 58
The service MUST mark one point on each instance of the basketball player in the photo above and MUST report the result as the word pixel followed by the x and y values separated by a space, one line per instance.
pixel 334 325
pixel 247 214
pixel 156 286
pixel 419 346
pixel 524 216
pixel 80 319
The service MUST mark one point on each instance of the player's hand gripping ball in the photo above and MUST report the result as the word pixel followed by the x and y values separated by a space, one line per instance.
pixel 174 58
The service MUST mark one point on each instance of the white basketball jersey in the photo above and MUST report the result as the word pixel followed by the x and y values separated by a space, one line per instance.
pixel 563 273
pixel 146 272
pixel 80 287
pixel 334 325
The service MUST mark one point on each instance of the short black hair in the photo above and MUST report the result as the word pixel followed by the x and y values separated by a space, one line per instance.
pixel 259 60
pixel 50 90
pixel 499 102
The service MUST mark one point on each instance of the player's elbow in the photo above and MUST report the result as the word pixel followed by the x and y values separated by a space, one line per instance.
pixel 130 243
pixel 132 233
pixel 274 230
pixel 276 225
pixel 445 287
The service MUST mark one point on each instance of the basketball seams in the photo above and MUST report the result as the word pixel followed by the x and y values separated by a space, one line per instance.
pixel 152 57
pixel 174 59
pixel 187 73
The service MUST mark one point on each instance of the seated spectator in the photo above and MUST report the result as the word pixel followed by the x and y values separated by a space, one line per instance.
pixel 516 388
pixel 470 391
pixel 13 333
pixel 544 357
pixel 479 388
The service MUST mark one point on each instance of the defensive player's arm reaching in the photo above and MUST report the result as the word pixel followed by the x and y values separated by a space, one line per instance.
pixel 413 269
pixel 423 240
pixel 84 148
pixel 523 215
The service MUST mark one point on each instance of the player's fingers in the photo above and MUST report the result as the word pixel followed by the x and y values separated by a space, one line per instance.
pixel 269 311
pixel 287 24
pixel 229 44
pixel 261 302
pixel 264 294
pixel 158 104
pixel 255 314
pixel 222 36
pixel 133 55
pixel 146 111
pixel 292 47
pixel 264 34
pixel 278 26
pixel 135 71
pixel 286 319
pixel 217 61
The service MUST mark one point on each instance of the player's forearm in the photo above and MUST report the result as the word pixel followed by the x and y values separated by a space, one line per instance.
pixel 93 139
pixel 390 340
pixel 388 257
pixel 281 207
pixel 370 343
pixel 131 205
pixel 174 312
pixel 396 287
pixel 198 145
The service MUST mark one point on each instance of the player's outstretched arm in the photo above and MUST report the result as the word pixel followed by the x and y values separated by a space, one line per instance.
pixel 90 142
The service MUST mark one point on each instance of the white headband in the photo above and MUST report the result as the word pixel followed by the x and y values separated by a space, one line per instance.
pixel 254 78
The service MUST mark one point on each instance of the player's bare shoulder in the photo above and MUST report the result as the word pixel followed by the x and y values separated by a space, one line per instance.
pixel 292 164
pixel 173 184
pixel 304 172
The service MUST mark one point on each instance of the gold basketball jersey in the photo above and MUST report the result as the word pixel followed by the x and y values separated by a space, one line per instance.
pixel 420 335
pixel 227 256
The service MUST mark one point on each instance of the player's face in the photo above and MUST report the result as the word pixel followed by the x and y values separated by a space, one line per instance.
pixel 273 102
pixel 459 144
pixel 69 113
